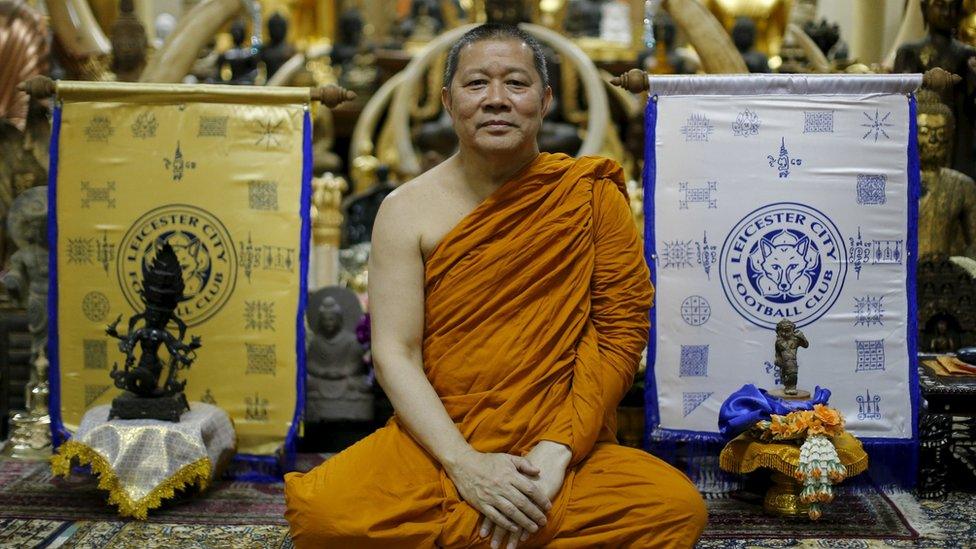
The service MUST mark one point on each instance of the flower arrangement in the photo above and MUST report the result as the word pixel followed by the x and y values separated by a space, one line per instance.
pixel 820 466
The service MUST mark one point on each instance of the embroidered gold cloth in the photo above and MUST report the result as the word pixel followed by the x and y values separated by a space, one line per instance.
pixel 141 462
pixel 219 173
pixel 745 454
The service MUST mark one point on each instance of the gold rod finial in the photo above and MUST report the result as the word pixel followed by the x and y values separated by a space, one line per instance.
pixel 332 96
pixel 634 81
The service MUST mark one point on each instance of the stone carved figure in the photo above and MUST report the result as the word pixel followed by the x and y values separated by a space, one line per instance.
pixel 277 51
pixel 26 280
pixel 788 340
pixel 947 209
pixel 339 388
pixel 242 58
pixel 144 396
pixel 941 49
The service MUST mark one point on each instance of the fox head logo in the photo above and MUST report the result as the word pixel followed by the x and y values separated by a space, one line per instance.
pixel 784 262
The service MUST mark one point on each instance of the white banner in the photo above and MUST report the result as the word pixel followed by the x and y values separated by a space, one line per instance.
pixel 765 207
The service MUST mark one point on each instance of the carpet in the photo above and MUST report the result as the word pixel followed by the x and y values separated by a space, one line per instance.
pixel 38 510
pixel 28 490
pixel 865 514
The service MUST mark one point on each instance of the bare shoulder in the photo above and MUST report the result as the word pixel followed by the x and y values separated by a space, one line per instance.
pixel 403 211
pixel 423 209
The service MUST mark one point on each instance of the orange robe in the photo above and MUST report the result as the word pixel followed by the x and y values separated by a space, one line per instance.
pixel 536 313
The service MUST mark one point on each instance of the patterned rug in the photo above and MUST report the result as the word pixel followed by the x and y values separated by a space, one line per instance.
pixel 37 510
pixel 865 514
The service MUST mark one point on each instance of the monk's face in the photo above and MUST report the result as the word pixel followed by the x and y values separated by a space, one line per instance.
pixel 496 99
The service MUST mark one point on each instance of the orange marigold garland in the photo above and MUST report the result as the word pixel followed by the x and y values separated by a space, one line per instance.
pixel 819 467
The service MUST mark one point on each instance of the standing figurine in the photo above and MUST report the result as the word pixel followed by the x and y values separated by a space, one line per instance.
pixel 788 339
pixel 144 398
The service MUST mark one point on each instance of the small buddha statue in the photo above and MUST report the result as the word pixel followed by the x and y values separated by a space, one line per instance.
pixel 947 209
pixel 940 49
pixel 361 209
pixel 583 18
pixel 350 37
pixel 277 51
pixel 826 36
pixel 339 388
pixel 354 58
pixel 744 37
pixel 424 22
pixel 942 340
pixel 129 44
pixel 242 59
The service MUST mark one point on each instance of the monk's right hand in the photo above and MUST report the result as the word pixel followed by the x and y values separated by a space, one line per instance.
pixel 500 487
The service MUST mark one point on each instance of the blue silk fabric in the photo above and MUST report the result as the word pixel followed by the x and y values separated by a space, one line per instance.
pixel 750 404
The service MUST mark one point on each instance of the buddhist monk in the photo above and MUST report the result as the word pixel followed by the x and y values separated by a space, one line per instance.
pixel 510 304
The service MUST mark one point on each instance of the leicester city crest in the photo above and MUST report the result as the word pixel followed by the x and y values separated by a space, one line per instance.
pixel 203 247
pixel 783 260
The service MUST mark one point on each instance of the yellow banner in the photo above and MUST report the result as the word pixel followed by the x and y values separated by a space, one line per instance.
pixel 221 181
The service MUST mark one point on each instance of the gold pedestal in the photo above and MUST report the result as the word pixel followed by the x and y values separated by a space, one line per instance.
pixel 783 497
pixel 744 454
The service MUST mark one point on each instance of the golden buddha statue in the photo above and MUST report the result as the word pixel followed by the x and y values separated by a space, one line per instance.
pixel 947 209
pixel 940 48
pixel 966 32
pixel 770 17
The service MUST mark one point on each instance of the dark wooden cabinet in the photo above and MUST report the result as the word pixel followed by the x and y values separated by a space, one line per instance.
pixel 14 364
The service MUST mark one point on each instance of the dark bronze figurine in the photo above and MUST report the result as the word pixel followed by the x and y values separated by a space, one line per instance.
pixel 788 339
pixel 144 397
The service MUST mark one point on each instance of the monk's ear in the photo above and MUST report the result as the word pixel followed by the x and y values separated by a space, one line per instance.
pixel 546 100
pixel 446 100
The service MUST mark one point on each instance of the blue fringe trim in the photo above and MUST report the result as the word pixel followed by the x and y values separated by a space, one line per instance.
pixel 652 415
pixel 58 433
pixel 253 468
pixel 914 195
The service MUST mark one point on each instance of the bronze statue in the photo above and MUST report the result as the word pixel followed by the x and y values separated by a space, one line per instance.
pixel 941 49
pixel 361 209
pixel 144 397
pixel 242 58
pixel 129 44
pixel 338 385
pixel 788 340
pixel 947 209
pixel 277 51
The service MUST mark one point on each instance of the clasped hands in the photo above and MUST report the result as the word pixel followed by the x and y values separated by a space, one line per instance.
pixel 512 493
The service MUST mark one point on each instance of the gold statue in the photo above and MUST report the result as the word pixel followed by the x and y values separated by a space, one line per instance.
pixel 327 209
pixel 947 210
pixel 966 31
pixel 770 17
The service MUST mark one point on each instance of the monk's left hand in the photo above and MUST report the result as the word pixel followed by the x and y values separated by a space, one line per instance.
pixel 551 458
